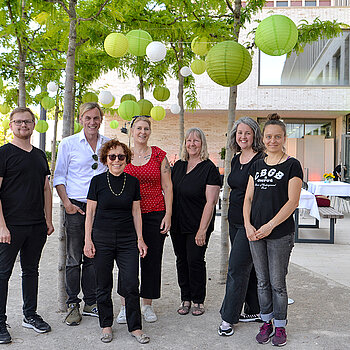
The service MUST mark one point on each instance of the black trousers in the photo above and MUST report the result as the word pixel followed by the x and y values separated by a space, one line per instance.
pixel 151 264
pixel 79 268
pixel 241 283
pixel 122 248
pixel 29 240
pixel 191 266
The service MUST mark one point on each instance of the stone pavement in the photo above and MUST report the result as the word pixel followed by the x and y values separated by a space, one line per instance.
pixel 317 320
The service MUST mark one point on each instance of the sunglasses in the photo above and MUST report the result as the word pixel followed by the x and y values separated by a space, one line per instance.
pixel 112 157
pixel 95 165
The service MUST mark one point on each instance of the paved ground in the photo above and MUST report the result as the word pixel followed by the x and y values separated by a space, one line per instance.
pixel 318 281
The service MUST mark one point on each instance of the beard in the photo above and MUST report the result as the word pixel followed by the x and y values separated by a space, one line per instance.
pixel 21 136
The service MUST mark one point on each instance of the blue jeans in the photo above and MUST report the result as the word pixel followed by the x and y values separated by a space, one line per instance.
pixel 79 268
pixel 271 259
pixel 241 283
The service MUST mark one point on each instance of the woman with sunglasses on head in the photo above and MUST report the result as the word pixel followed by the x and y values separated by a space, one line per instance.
pixel 150 166
pixel 113 231
pixel 272 195
pixel 241 284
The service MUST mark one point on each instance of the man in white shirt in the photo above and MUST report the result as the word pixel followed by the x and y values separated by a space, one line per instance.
pixel 77 163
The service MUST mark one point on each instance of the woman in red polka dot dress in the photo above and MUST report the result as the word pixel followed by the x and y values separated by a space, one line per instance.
pixel 150 166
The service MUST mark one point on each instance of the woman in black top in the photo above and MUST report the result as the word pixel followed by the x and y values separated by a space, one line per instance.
pixel 113 231
pixel 272 195
pixel 196 186
pixel 241 284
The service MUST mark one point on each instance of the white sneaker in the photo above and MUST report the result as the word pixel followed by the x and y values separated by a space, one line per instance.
pixel 148 313
pixel 121 319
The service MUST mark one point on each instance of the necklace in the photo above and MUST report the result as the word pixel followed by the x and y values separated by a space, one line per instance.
pixel 110 187
pixel 140 155
pixel 280 158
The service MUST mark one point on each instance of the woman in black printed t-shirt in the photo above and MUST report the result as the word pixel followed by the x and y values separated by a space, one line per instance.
pixel 272 195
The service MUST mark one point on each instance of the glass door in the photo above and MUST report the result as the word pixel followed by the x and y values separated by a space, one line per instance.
pixel 345 158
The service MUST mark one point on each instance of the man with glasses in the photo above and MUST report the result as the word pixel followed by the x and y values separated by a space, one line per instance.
pixel 25 217
pixel 77 163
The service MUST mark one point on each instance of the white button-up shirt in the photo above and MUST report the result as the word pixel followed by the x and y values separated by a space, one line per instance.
pixel 73 166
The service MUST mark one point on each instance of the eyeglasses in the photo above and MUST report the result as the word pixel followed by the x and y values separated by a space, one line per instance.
pixel 112 157
pixel 19 122
pixel 95 165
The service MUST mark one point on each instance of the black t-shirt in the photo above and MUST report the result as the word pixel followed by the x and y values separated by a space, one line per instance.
pixel 114 213
pixel 238 180
pixel 189 195
pixel 271 193
pixel 22 190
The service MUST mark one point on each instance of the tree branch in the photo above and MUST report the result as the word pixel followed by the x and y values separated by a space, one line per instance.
pixel 96 15
pixel 60 2
pixel 230 6
pixel 45 50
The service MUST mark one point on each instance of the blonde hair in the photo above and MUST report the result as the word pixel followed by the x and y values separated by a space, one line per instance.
pixel 204 155
pixel 88 106
pixel 140 118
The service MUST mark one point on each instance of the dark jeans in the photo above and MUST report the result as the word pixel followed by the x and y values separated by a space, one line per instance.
pixel 190 264
pixel 29 241
pixel 241 283
pixel 123 249
pixel 271 259
pixel 151 264
pixel 78 266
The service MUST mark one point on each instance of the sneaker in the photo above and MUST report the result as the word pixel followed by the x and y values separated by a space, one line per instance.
pixel 250 318
pixel 265 332
pixel 121 318
pixel 280 337
pixel 5 337
pixel 37 323
pixel 73 317
pixel 148 313
pixel 225 331
pixel 90 310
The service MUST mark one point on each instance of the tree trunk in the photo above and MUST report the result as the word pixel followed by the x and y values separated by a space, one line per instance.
pixel 22 78
pixel 53 145
pixel 180 97
pixel 226 190
pixel 67 130
pixel 142 87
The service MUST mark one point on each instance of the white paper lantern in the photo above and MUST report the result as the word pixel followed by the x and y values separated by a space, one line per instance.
pixel 156 51
pixel 105 97
pixel 175 109
pixel 185 71
pixel 52 86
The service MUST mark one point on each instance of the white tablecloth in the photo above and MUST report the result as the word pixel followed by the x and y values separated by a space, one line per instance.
pixel 334 188
pixel 308 201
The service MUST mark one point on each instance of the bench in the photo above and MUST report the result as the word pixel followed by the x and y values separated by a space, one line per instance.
pixel 326 213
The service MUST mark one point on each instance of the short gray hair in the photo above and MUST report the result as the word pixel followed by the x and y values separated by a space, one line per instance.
pixel 258 145
pixel 204 155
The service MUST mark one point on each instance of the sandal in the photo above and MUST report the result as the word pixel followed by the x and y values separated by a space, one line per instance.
pixel 197 310
pixel 142 338
pixel 184 309
pixel 106 337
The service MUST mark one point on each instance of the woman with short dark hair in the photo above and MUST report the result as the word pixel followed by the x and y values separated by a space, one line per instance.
pixel 113 231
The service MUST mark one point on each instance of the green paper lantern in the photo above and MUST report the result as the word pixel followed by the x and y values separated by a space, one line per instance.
pixel 109 104
pixel 47 103
pixel 77 127
pixel 138 41
pixel 5 108
pixel 158 113
pixel 1 84
pixel 145 106
pixel 161 93
pixel 113 124
pixel 228 63
pixel 128 97
pixel 200 45
pixel 89 97
pixel 5 124
pixel 128 109
pixel 198 66
pixel 276 35
pixel 116 45
pixel 41 126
